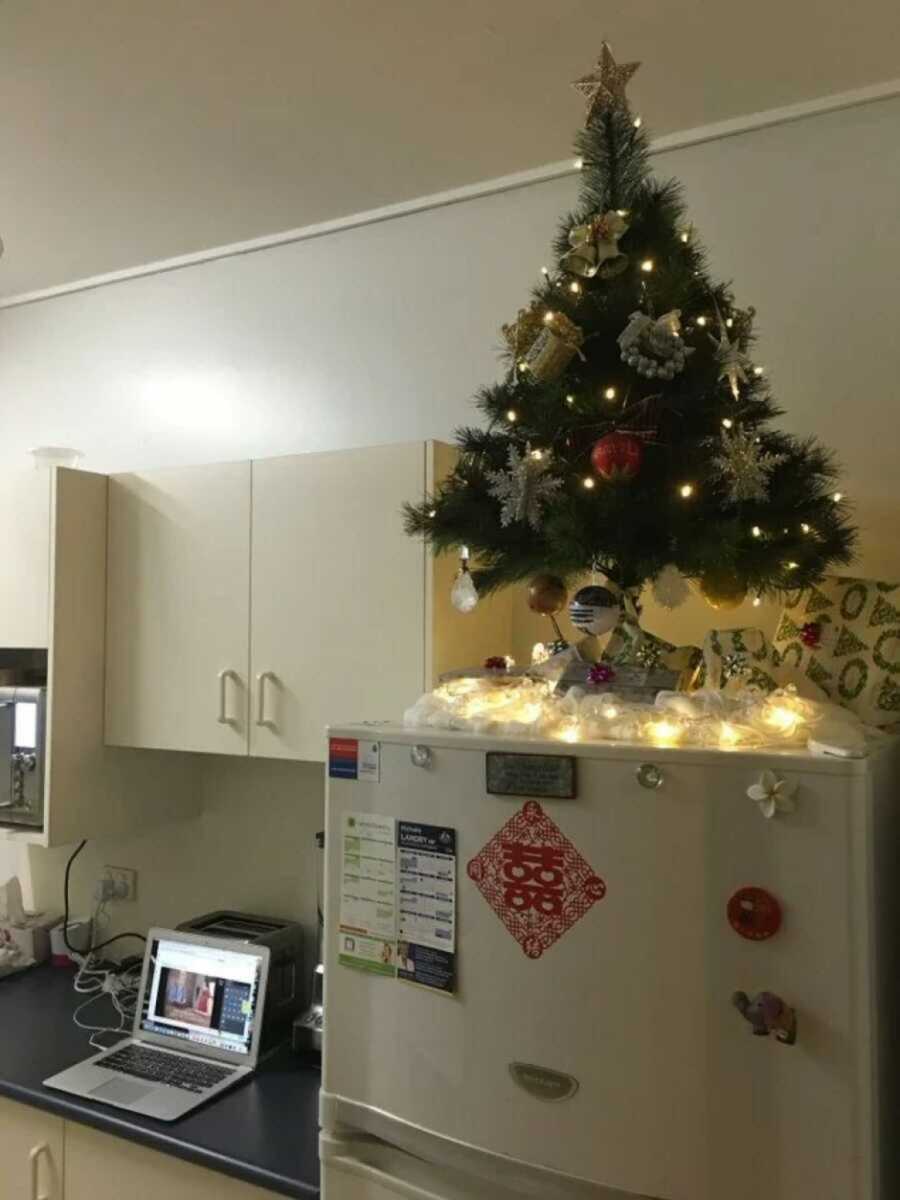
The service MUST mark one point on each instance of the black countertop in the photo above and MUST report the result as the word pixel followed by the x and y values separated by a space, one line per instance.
pixel 264 1131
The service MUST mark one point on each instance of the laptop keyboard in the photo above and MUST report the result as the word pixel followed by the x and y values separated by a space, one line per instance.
pixel 174 1070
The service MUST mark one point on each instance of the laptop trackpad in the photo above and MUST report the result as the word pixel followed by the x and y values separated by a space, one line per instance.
pixel 121 1091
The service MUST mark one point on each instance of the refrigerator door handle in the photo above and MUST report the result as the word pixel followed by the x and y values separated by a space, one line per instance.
pixel 338 1155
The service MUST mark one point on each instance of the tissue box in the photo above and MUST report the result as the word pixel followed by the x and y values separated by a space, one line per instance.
pixel 26 942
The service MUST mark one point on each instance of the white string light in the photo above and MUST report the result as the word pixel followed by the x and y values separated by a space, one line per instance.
pixel 647 266
pixel 610 393
pixel 686 491
pixel 511 414
pixel 588 482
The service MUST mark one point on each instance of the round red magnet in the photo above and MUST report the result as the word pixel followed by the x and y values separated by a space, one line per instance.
pixel 754 913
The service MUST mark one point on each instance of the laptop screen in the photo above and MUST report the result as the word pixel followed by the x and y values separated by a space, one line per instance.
pixel 207 995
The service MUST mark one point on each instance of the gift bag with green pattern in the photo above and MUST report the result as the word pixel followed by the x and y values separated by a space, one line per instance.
pixel 844 635
pixel 735 659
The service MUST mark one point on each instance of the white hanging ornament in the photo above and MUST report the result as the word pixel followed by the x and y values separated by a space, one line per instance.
pixel 464 594
pixel 670 588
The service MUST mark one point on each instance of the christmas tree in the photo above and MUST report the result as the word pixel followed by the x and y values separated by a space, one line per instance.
pixel 632 432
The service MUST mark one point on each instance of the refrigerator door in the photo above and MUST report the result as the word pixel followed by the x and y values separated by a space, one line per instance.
pixel 671 1095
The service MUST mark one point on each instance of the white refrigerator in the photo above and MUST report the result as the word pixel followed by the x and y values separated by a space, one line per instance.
pixel 532 956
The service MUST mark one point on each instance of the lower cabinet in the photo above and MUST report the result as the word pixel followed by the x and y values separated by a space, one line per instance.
pixel 101 1167
pixel 43 1157
pixel 31 1153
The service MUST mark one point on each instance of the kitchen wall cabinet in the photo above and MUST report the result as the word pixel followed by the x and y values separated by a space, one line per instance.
pixel 178 622
pixel 338 594
pixel 31 1153
pixel 101 1167
pixel 250 605
pixel 25 495
pixel 90 790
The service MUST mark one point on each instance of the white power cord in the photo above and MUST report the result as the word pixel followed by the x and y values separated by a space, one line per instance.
pixel 122 987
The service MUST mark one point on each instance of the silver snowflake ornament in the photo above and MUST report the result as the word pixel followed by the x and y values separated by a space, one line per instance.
pixel 523 488
pixel 733 362
pixel 744 465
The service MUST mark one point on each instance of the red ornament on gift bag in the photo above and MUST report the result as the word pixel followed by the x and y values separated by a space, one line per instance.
pixel 811 635
pixel 535 880
pixel 617 456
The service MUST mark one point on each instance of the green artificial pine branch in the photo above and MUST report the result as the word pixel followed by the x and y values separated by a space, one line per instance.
pixel 787 539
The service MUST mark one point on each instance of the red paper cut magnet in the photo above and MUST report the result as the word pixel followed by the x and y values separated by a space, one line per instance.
pixel 535 880
pixel 754 913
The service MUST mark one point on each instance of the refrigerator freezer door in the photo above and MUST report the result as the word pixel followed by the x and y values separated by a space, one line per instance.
pixel 356 1167
pixel 675 1097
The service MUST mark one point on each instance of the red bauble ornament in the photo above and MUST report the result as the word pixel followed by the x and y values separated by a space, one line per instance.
pixel 811 635
pixel 617 456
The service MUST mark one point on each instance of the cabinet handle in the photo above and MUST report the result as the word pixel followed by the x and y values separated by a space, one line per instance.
pixel 34 1162
pixel 261 680
pixel 223 717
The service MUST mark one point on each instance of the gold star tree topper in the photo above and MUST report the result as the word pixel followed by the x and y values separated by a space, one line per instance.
pixel 604 88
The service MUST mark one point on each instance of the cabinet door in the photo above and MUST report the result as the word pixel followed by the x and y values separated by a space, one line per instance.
pixel 25 554
pixel 178 609
pixel 101 1167
pixel 31 1153
pixel 338 628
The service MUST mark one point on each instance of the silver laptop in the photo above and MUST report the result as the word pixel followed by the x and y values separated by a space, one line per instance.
pixel 196 1028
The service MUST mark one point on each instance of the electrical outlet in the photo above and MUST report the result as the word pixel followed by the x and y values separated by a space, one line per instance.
pixel 124 881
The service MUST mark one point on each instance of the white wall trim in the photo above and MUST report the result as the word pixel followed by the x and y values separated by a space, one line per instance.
pixel 488 187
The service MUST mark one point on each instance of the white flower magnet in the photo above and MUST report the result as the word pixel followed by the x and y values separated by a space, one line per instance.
pixel 773 794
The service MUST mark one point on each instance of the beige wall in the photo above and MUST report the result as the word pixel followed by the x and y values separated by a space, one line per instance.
pixel 382 334
pixel 252 848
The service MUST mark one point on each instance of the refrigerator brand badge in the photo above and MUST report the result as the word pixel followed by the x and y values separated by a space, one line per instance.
pixel 535 880
pixel 543 1083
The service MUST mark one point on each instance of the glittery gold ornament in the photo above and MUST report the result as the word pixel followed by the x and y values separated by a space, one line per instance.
pixel 554 347
pixel 521 333
pixel 604 88
pixel 547 595
pixel 722 589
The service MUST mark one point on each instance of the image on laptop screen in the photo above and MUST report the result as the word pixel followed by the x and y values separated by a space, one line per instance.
pixel 203 994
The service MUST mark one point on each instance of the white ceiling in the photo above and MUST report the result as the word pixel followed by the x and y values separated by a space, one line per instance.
pixel 134 130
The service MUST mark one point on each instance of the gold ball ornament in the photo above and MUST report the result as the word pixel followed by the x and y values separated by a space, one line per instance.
pixel 547 595
pixel 722 590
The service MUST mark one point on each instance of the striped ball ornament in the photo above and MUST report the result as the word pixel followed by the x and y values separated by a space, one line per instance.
pixel 594 609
